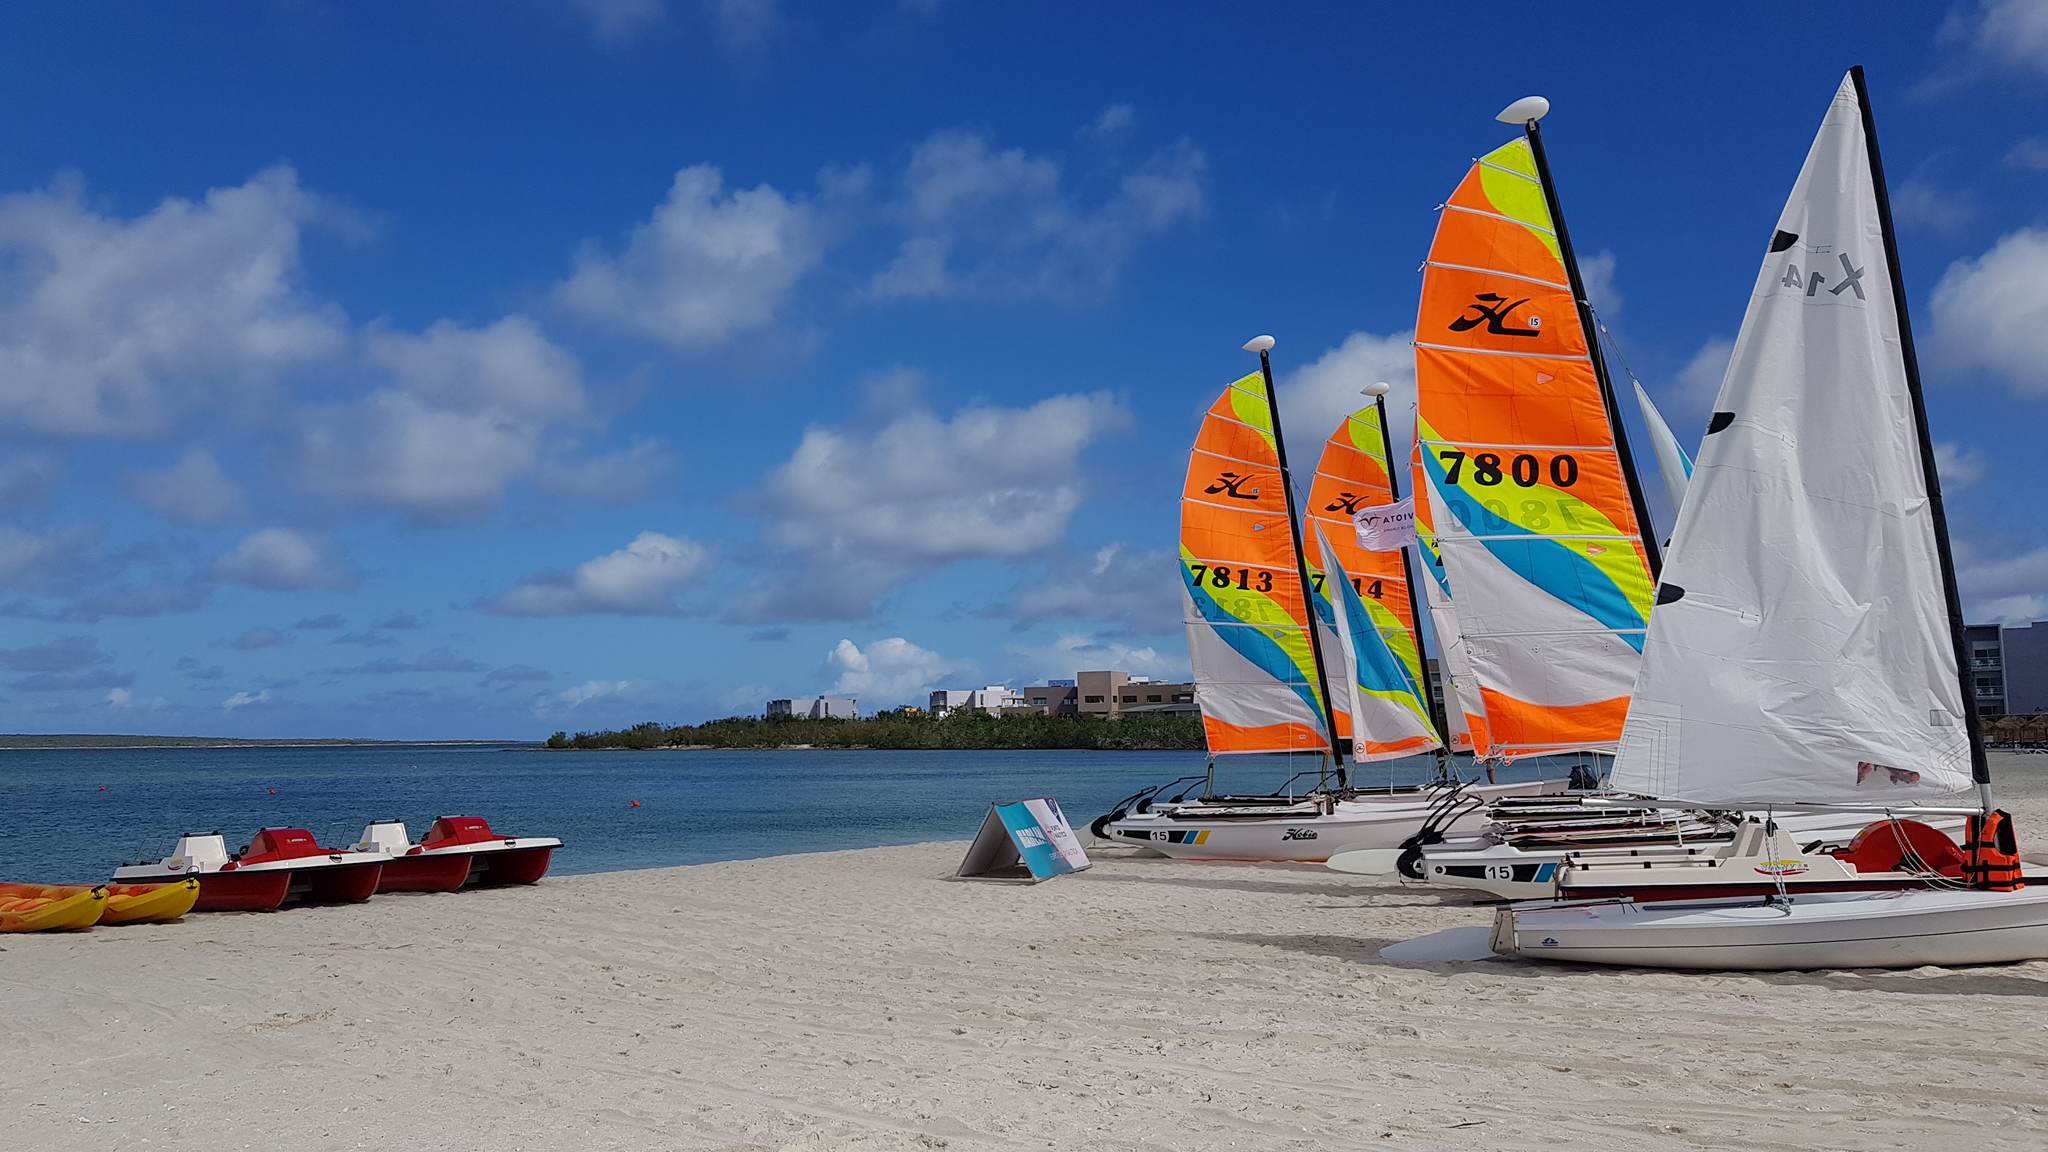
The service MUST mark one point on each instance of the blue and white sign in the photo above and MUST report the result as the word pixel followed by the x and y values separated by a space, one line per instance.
pixel 1024 840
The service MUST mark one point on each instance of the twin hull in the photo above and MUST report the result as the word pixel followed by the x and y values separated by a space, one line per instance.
pixel 1304 834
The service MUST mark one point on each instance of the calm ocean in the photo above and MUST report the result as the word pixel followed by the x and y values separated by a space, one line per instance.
pixel 694 806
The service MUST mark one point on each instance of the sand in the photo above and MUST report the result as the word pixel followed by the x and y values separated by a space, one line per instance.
pixel 857 1000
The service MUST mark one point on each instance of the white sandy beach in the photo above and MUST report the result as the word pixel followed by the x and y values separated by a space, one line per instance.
pixel 857 1000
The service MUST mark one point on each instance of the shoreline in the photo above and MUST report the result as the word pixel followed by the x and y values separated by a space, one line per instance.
pixel 858 1000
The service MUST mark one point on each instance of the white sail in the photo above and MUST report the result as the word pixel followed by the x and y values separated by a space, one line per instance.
pixel 1801 649
pixel 1672 461
pixel 1373 686
pixel 1464 708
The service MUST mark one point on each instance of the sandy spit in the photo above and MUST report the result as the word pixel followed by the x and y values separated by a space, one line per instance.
pixel 857 1000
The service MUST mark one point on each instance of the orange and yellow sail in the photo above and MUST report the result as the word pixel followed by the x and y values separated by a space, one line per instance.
pixel 1530 503
pixel 1464 710
pixel 1350 477
pixel 1255 673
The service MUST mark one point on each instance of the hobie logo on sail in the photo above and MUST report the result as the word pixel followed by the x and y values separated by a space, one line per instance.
pixel 1492 309
pixel 1228 484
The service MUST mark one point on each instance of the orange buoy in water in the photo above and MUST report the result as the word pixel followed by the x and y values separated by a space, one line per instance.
pixel 632 803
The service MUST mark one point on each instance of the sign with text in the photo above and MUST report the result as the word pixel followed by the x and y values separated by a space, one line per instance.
pixel 1023 840
pixel 1387 527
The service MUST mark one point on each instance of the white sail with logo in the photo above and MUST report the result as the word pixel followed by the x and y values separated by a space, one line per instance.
pixel 1801 649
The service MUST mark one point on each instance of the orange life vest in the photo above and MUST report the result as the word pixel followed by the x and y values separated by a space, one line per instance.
pixel 1993 852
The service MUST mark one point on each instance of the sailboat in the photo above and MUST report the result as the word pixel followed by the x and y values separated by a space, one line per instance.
pixel 1266 627
pixel 1808 646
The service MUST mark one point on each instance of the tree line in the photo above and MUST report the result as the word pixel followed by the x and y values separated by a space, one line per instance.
pixel 906 728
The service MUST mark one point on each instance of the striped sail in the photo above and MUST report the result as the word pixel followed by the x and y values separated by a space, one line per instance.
pixel 1351 476
pixel 1672 461
pixel 1380 705
pixel 1534 521
pixel 1463 709
pixel 1255 674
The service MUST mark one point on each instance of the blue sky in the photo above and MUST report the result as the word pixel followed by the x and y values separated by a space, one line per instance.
pixel 458 370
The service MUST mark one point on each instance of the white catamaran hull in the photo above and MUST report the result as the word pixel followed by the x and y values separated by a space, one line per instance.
pixel 1532 873
pixel 1304 834
pixel 1945 927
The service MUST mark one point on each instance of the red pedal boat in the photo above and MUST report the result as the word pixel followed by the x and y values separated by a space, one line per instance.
pixel 458 850
pixel 280 864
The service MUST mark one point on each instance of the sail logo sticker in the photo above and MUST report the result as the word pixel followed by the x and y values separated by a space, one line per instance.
pixel 1814 279
pixel 1229 484
pixel 1346 502
pixel 1780 867
pixel 1299 834
pixel 1492 309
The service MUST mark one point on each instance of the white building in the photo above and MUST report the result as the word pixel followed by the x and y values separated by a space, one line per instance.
pixel 992 700
pixel 815 708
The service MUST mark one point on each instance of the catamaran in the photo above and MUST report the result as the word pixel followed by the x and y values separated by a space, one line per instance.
pixel 1808 648
pixel 1263 663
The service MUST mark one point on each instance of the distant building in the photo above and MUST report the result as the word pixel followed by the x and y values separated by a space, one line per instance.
pixel 1107 694
pixel 992 700
pixel 1987 668
pixel 2024 652
pixel 814 708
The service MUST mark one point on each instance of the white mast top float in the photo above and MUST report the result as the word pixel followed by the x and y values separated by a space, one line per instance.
pixel 1525 110
pixel 1259 344
pixel 1377 388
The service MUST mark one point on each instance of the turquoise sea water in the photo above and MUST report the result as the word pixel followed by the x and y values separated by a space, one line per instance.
pixel 75 814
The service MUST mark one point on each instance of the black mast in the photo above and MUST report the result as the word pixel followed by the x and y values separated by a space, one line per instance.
pixel 1646 529
pixel 1379 401
pixel 1980 765
pixel 1264 346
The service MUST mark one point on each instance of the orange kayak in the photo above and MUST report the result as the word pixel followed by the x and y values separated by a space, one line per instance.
pixel 125 903
pixel 40 913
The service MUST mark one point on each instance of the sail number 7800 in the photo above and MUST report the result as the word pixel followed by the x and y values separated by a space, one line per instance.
pixel 1522 469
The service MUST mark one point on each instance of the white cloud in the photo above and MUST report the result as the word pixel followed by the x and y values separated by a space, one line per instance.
pixel 1596 272
pixel 1315 399
pixel 1113 121
pixel 2009 33
pixel 245 699
pixel 192 491
pixel 864 510
pixel 1079 651
pixel 259 638
pixel 620 20
pixel 26 477
pixel 980 219
pixel 2030 153
pixel 641 579
pixel 2002 583
pixel 1920 203
pixel 466 412
pixel 1959 466
pixel 616 477
pixel 115 327
pixel 582 694
pixel 888 672
pixel 123 700
pixel 1991 313
pixel 709 264
pixel 1698 384
pixel 1138 589
pixel 282 560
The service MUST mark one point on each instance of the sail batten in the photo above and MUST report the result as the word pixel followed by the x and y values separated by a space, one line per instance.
pixel 1804 650
pixel 1534 523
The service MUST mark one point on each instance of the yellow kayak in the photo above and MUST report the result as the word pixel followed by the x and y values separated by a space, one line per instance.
pixel 52 913
pixel 125 903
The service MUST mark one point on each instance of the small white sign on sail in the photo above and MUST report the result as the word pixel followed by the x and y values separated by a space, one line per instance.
pixel 1386 527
